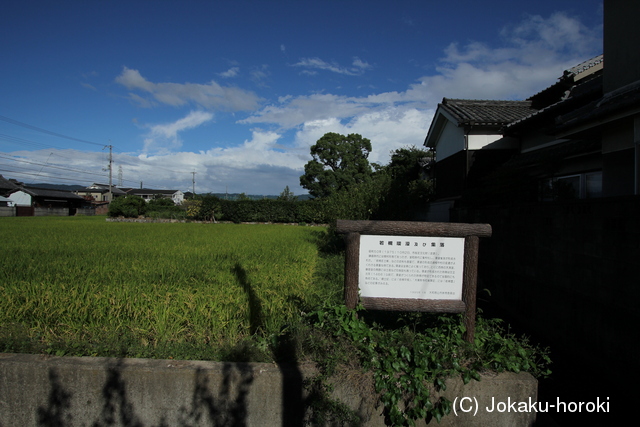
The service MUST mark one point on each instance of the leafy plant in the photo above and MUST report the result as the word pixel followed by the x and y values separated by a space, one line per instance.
pixel 412 355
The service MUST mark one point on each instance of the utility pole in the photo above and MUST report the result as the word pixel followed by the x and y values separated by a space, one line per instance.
pixel 110 168
pixel 193 181
pixel 110 172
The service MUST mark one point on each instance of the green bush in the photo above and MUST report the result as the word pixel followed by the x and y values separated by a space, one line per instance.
pixel 128 206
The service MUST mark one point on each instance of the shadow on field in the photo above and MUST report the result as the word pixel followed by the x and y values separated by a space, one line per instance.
pixel 285 355
pixel 256 318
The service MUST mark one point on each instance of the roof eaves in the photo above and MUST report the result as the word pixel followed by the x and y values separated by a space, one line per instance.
pixel 485 113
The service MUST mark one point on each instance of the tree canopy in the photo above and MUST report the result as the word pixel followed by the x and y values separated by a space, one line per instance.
pixel 338 162
pixel 287 195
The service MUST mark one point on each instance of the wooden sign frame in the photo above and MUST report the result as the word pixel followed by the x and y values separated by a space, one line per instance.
pixel 471 234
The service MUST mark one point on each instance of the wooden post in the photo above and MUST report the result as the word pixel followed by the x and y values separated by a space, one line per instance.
pixel 469 284
pixel 351 269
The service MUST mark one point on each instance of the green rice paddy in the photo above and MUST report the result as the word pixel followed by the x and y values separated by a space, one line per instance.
pixel 85 286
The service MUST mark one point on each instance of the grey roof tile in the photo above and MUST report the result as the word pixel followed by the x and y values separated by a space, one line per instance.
pixel 486 112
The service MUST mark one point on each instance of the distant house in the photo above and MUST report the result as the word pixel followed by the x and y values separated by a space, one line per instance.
pixel 8 185
pixel 5 202
pixel 100 192
pixel 149 194
pixel 45 201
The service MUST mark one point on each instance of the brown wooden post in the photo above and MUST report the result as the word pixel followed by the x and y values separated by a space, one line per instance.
pixel 469 284
pixel 351 269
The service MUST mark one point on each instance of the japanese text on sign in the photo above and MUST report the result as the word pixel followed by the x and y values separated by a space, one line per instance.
pixel 411 267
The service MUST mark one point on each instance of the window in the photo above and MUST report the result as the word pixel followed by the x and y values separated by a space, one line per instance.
pixel 579 186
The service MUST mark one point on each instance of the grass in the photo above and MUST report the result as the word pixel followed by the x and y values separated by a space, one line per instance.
pixel 84 286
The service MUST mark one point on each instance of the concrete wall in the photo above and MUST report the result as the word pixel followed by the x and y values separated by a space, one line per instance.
pixel 78 391
pixel 51 211
pixel 7 211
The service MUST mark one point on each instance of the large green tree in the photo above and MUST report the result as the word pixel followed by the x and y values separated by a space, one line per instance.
pixel 410 188
pixel 338 162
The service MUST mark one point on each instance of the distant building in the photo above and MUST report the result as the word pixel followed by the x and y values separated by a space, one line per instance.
pixel 8 185
pixel 149 194
pixel 100 192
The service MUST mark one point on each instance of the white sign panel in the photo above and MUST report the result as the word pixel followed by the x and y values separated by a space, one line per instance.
pixel 411 267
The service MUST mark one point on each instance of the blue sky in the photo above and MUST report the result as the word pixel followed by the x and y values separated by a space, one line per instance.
pixel 237 91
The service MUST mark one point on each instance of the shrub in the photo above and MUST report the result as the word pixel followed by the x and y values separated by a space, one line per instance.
pixel 128 206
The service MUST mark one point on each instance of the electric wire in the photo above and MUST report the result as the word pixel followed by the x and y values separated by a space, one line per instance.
pixel 48 132
pixel 34 144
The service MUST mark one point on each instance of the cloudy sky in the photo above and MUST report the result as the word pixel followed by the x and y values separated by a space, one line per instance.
pixel 237 91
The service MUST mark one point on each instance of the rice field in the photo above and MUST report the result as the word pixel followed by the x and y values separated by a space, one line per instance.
pixel 81 285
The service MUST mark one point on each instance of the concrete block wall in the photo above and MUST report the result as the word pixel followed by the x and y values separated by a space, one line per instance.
pixel 82 391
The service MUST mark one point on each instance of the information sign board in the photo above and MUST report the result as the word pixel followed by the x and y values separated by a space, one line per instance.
pixel 411 267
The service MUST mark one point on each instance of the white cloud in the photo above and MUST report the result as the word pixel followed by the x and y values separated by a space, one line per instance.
pixel 559 34
pixel 164 137
pixel 536 52
pixel 260 75
pixel 231 72
pixel 388 129
pixel 311 64
pixel 360 64
pixel 293 111
pixel 210 96
pixel 530 59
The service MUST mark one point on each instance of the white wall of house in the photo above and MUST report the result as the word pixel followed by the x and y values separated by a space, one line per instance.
pixel 450 142
pixel 20 198
pixel 490 142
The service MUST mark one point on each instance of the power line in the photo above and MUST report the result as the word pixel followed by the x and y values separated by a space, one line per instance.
pixel 65 168
pixel 14 172
pixel 18 140
pixel 48 132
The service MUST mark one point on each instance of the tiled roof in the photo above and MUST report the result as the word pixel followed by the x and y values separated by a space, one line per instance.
pixel 585 66
pixel 486 112
pixel 54 194
pixel 150 191
pixel 101 188
pixel 7 185
pixel 568 79
pixel 584 92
